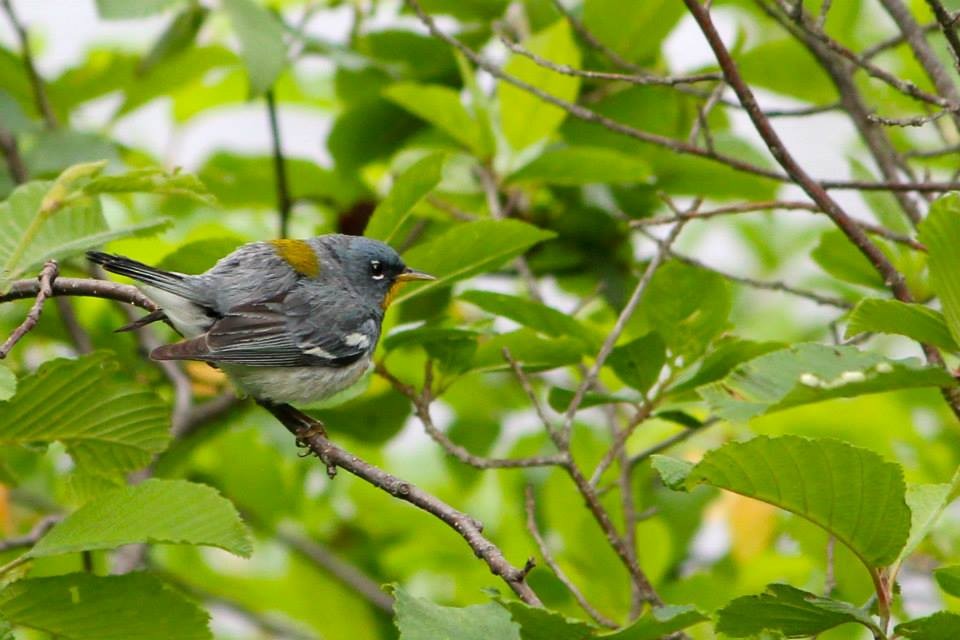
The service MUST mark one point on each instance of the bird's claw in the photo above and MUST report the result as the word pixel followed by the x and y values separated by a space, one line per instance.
pixel 303 441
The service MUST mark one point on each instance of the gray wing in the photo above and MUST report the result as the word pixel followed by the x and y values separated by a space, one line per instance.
pixel 303 329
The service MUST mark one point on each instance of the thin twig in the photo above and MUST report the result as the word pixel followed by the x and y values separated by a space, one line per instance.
pixel 769 285
pixel 44 290
pixel 86 287
pixel 11 154
pixel 282 186
pixel 548 558
pixel 618 328
pixel 36 82
pixel 346 573
pixel 39 530
pixel 593 42
pixel 666 443
pixel 948 25
pixel 915 121
pixel 307 430
pixel 894 41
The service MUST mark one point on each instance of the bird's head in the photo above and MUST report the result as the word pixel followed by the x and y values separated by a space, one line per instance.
pixel 374 268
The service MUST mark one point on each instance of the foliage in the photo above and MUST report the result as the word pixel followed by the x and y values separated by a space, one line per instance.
pixel 700 409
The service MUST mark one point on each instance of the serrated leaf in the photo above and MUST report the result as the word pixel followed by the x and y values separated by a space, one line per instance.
pixel 942 625
pixel 525 118
pixel 939 232
pixel 108 427
pixel 659 622
pixel 80 606
pixel 574 166
pixel 673 471
pixel 789 611
pixel 154 511
pixel 68 232
pixel 638 363
pixel 470 249
pixel 153 180
pixel 262 47
pixel 419 619
pixel 852 493
pixel 926 502
pixel 124 9
pixel 807 373
pixel 535 315
pixel 687 306
pixel 722 358
pixel 537 623
pixel 440 106
pixel 913 320
pixel 8 383
pixel 408 189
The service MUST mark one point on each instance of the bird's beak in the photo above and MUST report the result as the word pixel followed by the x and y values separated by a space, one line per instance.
pixel 409 275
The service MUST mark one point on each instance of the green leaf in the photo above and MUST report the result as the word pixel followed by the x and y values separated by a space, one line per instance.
pixel 949 579
pixel 659 622
pixel 851 492
pixel 687 306
pixel 261 42
pixel 440 106
pixel 200 255
pixel 408 189
pixel 419 619
pixel 926 502
pixel 8 383
pixel 673 471
pixel 80 606
pixel 531 351
pixel 109 427
pixel 939 232
pixel 942 625
pixel 907 319
pixel 840 258
pixel 635 30
pixel 559 399
pixel 382 416
pixel 154 511
pixel 178 36
pixel 583 165
pixel 469 249
pixel 638 363
pixel 123 9
pixel 725 355
pixel 790 611
pixel 807 373
pixel 55 150
pixel 537 623
pixel 537 316
pixel 66 233
pixel 525 118
pixel 152 180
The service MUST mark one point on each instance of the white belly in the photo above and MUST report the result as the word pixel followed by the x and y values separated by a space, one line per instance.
pixel 295 385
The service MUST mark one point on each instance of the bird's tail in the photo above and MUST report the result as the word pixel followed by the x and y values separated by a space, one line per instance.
pixel 176 283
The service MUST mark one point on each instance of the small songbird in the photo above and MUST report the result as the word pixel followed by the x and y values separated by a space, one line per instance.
pixel 289 321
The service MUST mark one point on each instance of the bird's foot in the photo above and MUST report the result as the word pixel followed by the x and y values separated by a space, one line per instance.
pixel 311 429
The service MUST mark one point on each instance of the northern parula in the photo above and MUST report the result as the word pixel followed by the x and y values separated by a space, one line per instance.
pixel 288 320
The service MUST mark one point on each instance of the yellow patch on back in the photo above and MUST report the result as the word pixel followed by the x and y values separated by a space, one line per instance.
pixel 299 255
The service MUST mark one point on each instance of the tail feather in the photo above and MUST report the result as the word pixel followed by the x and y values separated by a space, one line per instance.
pixel 166 280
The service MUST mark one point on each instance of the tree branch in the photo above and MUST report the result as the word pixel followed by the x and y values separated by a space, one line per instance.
pixel 36 82
pixel 948 25
pixel 307 430
pixel 530 507
pixel 284 201
pixel 11 154
pixel 44 290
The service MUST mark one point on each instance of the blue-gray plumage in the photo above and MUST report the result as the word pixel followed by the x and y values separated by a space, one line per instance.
pixel 288 320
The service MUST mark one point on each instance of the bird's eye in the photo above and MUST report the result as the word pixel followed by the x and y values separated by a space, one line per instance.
pixel 376 270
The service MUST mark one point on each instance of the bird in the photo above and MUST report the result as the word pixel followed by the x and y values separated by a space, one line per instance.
pixel 289 321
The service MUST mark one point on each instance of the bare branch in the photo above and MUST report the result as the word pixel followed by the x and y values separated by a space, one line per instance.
pixel 11 154
pixel 948 24
pixel 530 507
pixel 44 290
pixel 282 186
pixel 86 287
pixel 915 121
pixel 36 82
pixel 307 430
pixel 30 539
